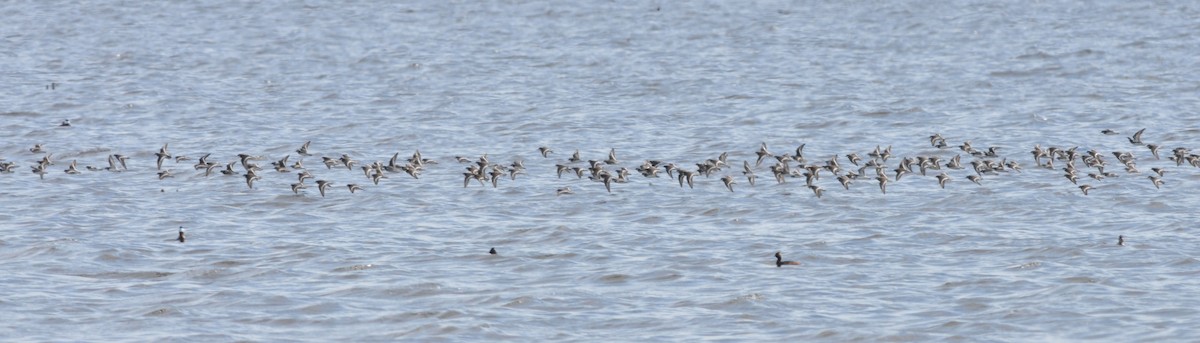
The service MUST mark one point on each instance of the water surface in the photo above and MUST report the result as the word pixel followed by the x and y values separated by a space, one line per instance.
pixel 1021 257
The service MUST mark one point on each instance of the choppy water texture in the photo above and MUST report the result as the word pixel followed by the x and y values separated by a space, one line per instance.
pixel 1021 257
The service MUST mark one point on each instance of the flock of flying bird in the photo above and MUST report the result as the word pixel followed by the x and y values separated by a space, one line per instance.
pixel 609 171
pixel 780 166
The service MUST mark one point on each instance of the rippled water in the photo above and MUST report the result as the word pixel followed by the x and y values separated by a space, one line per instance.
pixel 1021 257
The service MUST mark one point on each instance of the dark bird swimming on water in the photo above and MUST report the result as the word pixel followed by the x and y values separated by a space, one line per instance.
pixel 779 262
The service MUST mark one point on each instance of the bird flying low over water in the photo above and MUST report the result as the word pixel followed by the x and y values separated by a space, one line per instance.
pixel 1137 137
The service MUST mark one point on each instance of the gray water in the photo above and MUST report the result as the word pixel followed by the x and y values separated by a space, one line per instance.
pixel 1024 256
